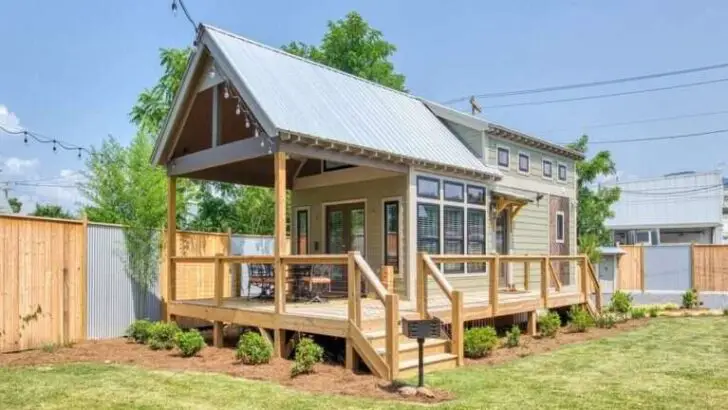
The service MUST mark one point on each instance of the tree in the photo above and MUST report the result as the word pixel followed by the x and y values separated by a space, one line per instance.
pixel 595 203
pixel 15 205
pixel 351 45
pixel 51 211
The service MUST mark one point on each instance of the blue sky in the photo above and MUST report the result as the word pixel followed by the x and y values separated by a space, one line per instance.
pixel 73 69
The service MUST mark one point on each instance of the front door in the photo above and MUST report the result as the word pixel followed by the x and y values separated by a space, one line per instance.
pixel 344 232
pixel 502 244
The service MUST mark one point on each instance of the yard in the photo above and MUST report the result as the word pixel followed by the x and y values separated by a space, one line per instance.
pixel 669 363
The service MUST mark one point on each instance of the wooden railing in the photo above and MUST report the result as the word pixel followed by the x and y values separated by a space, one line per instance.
pixel 594 281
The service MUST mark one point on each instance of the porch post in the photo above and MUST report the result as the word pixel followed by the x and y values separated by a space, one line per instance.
pixel 279 163
pixel 167 282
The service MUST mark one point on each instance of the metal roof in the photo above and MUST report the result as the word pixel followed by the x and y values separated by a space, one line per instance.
pixel 684 200
pixel 299 96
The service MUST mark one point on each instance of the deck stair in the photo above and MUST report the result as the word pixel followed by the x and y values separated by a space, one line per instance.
pixel 437 353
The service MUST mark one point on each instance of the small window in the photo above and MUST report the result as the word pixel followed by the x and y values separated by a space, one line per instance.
pixel 428 188
pixel 503 157
pixel 560 228
pixel 643 237
pixel 302 231
pixel 562 172
pixel 454 191
pixel 548 172
pixel 428 228
pixel 476 195
pixel 523 162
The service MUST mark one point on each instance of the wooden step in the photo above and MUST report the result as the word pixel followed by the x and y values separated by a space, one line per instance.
pixel 409 351
pixel 378 338
pixel 442 361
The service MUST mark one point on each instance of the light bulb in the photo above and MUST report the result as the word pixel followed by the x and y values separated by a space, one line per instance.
pixel 237 110
pixel 79 153
pixel 226 93
pixel 256 131
pixel 247 122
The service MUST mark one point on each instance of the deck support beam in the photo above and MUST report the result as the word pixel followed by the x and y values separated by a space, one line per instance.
pixel 350 355
pixel 169 276
pixel 217 333
pixel 532 323
pixel 279 343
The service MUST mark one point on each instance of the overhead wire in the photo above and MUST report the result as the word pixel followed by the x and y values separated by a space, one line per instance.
pixel 643 121
pixel 657 138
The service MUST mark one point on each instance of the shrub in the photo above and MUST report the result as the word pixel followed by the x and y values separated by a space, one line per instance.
pixel 513 336
pixel 670 306
pixel 549 324
pixel 581 320
pixel 606 320
pixel 654 311
pixel 190 343
pixel 621 302
pixel 253 349
pixel 138 331
pixel 639 313
pixel 690 299
pixel 479 341
pixel 725 312
pixel 162 335
pixel 308 353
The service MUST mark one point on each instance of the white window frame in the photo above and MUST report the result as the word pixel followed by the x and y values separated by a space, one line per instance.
pixel 566 167
pixel 442 202
pixel 563 227
pixel 497 157
pixel 543 175
pixel 528 158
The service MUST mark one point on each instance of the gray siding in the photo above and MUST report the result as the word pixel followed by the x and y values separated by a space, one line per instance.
pixel 114 300
pixel 667 267
pixel 473 139
pixel 530 235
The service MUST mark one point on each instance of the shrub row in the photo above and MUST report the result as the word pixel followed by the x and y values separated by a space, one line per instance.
pixel 165 336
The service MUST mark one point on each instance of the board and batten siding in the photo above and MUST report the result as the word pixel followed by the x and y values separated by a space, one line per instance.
pixel 374 192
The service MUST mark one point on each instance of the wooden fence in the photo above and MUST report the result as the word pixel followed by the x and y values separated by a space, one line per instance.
pixel 43 278
pixel 708 270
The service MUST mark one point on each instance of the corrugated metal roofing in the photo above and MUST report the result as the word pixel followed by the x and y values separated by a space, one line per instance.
pixel 694 199
pixel 303 97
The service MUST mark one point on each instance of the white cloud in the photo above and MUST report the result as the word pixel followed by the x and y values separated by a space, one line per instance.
pixel 18 166
pixel 32 188
pixel 8 119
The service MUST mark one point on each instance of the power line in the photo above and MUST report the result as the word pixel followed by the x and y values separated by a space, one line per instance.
pixel 599 96
pixel 675 193
pixel 590 84
pixel 644 121
pixel 660 138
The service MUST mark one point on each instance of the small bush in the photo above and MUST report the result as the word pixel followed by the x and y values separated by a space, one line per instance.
pixel 549 324
pixel 253 349
pixel 690 299
pixel 654 311
pixel 606 320
pixel 308 353
pixel 513 336
pixel 190 343
pixel 162 335
pixel 479 341
pixel 639 313
pixel 138 331
pixel 670 306
pixel 621 302
pixel 581 320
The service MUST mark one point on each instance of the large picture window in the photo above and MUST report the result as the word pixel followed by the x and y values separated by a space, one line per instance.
pixel 428 228
pixel 454 227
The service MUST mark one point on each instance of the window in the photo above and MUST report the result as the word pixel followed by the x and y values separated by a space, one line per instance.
pixel 302 231
pixel 560 227
pixel 476 195
pixel 333 165
pixel 476 237
pixel 428 188
pixel 428 228
pixel 503 157
pixel 454 224
pixel 643 237
pixel 547 171
pixel 453 191
pixel 523 162
pixel 391 234
pixel 562 172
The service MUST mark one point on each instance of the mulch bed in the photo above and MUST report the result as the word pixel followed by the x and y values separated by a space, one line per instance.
pixel 329 379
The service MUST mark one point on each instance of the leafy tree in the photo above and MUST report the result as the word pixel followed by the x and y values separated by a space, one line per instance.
pixel 51 211
pixel 353 46
pixel 595 203
pixel 15 205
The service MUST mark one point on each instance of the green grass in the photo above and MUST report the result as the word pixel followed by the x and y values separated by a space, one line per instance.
pixel 671 363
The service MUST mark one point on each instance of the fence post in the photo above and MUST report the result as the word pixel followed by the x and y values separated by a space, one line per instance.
pixel 217 334
pixel 353 284
pixel 642 268
pixel 421 285
pixel 526 274
pixel 545 262
pixel 693 284
pixel 584 279
pixel 391 313
pixel 458 326
pixel 83 293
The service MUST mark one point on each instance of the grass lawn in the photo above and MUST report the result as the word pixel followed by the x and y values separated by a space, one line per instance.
pixel 671 363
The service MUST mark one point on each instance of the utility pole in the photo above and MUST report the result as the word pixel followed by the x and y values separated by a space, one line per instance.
pixel 474 106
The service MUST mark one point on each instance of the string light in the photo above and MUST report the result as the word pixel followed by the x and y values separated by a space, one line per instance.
pixel 237 110
pixel 25 137
pixel 226 93
pixel 247 122
pixel 256 131
pixel 54 147
pixel 79 153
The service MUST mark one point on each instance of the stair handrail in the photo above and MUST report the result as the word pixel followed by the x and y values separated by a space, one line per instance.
pixel 596 284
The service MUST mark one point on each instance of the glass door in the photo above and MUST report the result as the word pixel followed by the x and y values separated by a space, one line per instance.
pixel 345 231
pixel 502 241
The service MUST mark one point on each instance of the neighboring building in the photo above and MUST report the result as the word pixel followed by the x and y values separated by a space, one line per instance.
pixel 683 207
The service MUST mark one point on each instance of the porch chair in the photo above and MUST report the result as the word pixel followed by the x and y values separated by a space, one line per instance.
pixel 320 278
pixel 261 276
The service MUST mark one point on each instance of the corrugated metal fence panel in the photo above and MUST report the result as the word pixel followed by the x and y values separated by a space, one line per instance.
pixel 250 245
pixel 114 300
pixel 667 267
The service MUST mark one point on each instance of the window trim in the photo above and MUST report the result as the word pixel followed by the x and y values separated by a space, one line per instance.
pixel 528 163
pixel 296 210
pixel 566 172
pixel 425 178
pixel 498 148
pixel 444 191
pixel 543 172
pixel 563 227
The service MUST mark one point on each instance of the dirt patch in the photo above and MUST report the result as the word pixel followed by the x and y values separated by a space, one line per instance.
pixel 329 379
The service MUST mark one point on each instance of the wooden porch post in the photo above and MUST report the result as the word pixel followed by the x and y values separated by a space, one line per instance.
pixel 279 268
pixel 493 285
pixel 169 277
